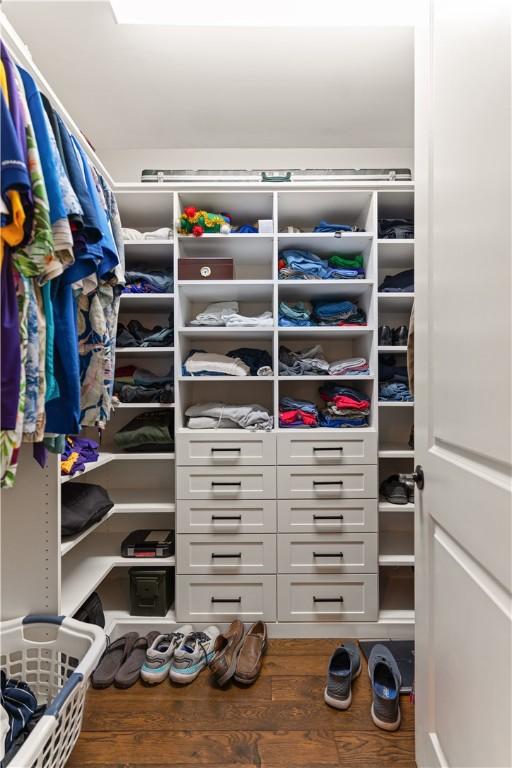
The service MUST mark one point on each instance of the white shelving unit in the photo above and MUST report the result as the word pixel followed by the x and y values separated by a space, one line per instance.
pixel 396 522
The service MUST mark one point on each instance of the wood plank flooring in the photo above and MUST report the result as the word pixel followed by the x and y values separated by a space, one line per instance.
pixel 279 722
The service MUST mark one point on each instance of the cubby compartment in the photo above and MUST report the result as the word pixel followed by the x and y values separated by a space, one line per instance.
pixel 159 365
pixel 242 207
pixel 395 425
pixel 305 210
pixel 358 292
pixel 308 389
pixel 328 245
pixel 334 347
pixel 123 414
pixel 146 210
pixel 148 254
pixel 114 592
pixel 395 309
pixel 222 345
pixel 396 204
pixel 396 538
pixel 251 255
pixel 253 299
pixel 196 390
pixel 396 593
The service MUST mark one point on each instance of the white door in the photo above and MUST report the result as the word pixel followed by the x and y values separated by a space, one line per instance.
pixel 463 386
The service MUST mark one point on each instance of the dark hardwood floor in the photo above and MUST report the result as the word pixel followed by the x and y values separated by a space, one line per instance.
pixel 279 722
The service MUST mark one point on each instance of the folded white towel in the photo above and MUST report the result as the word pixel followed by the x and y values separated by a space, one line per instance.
pixel 216 314
pixel 164 233
pixel 254 322
pixel 210 361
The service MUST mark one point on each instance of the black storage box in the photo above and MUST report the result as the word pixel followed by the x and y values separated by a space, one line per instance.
pixel 151 591
pixel 148 542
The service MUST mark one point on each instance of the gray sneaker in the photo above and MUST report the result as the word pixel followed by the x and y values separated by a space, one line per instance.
pixel 344 666
pixel 386 680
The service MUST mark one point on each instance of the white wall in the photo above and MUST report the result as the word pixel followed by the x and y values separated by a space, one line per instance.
pixel 126 164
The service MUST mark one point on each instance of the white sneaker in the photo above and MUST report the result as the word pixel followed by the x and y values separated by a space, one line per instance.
pixel 195 653
pixel 159 654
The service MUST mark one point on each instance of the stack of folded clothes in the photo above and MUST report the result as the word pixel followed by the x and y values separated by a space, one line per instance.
pixel 351 366
pixel 148 281
pixel 393 380
pixel 252 417
pixel 78 451
pixel 295 264
pixel 244 361
pixel 297 314
pixel 403 282
pixel 295 413
pixel 136 335
pixel 396 228
pixel 150 432
pixel 340 312
pixel 227 313
pixel 164 233
pixel 345 407
pixel 305 362
pixel 138 385
pixel 325 226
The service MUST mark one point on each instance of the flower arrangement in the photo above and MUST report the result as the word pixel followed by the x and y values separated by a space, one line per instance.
pixel 195 222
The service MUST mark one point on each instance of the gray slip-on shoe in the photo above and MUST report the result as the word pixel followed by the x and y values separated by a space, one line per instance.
pixel 129 672
pixel 115 654
pixel 386 680
pixel 344 666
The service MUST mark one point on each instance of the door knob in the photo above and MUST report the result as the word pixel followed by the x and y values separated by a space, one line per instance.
pixel 417 477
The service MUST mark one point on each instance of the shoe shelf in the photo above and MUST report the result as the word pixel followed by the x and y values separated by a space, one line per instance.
pixel 395 302
pixel 70 542
pixel 395 451
pixel 393 350
pixel 146 351
pixel 144 406
pixel 396 404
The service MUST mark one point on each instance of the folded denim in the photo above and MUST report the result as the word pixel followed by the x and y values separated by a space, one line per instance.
pixel 210 363
pixel 255 359
pixel 402 282
pixel 251 417
pixel 395 392
pixel 298 264
pixel 327 420
pixel 302 363
pixel 325 226
pixel 148 281
pixel 396 228
pixel 129 393
pixel 148 428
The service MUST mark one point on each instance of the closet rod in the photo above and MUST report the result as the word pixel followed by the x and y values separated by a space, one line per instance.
pixel 22 56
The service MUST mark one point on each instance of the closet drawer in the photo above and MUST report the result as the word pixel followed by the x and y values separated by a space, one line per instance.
pixel 226 517
pixel 348 597
pixel 327 553
pixel 320 449
pixel 352 481
pixel 228 553
pixel 224 598
pixel 327 515
pixel 213 449
pixel 226 483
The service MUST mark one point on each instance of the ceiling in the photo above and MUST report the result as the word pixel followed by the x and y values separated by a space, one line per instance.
pixel 131 87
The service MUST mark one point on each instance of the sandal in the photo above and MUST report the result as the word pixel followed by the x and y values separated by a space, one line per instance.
pixel 114 656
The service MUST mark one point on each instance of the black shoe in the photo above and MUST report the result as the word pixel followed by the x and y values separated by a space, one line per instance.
pixel 400 336
pixel 385 336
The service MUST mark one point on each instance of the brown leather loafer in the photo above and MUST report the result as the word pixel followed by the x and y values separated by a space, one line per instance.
pixel 249 662
pixel 227 647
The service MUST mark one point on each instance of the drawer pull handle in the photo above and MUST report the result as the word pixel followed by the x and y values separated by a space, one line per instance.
pixel 225 450
pixel 318 449
pixel 327 482
pixel 226 517
pixel 226 599
pixel 233 482
pixel 327 517
pixel 235 554
pixel 327 554
pixel 327 599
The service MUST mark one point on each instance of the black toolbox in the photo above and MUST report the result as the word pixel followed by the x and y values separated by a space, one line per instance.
pixel 151 591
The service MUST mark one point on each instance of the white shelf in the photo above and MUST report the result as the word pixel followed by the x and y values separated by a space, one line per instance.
pixel 152 351
pixel 319 331
pixel 399 241
pixel 387 506
pixel 71 542
pixel 396 616
pixel 103 458
pixel 148 243
pixel 395 451
pixel 146 456
pixel 327 377
pixel 226 378
pixel 146 302
pixel 85 567
pixel 395 254
pixel 223 332
pixel 396 547
pixel 144 406
pixel 396 404
pixel 396 350
pixel 229 290
pixel 327 288
pixel 230 236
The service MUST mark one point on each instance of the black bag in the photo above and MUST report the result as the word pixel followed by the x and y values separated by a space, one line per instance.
pixel 83 505
pixel 91 612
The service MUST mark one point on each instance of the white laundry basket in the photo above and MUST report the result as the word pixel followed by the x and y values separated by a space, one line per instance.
pixel 56 657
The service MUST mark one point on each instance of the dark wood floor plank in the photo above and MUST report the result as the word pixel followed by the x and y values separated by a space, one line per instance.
pixel 203 688
pixel 320 647
pixel 363 749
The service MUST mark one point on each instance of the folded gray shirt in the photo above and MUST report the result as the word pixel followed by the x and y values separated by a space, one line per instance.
pixel 252 416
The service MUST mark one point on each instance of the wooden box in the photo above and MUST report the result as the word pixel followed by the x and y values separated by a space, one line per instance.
pixel 205 269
